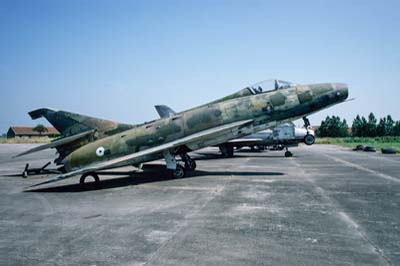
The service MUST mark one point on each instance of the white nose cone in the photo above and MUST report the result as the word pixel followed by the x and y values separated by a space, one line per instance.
pixel 100 151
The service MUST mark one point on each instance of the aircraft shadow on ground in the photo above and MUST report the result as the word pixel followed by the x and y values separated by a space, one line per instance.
pixel 135 178
pixel 210 156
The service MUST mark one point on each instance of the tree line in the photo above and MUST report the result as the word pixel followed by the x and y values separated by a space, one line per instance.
pixel 334 127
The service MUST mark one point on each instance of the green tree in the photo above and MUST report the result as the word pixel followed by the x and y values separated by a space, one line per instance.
pixel 386 127
pixel 389 125
pixel 396 129
pixel 381 128
pixel 363 127
pixel 371 126
pixel 333 127
pixel 356 127
pixel 40 129
pixel 344 129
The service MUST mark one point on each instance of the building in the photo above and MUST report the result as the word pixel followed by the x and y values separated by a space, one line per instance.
pixel 28 132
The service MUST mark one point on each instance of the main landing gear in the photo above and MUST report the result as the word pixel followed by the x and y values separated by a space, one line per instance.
pixel 288 153
pixel 176 169
pixel 190 164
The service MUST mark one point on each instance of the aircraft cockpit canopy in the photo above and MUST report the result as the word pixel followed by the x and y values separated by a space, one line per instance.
pixel 269 85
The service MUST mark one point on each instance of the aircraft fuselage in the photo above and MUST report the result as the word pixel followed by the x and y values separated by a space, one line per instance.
pixel 266 109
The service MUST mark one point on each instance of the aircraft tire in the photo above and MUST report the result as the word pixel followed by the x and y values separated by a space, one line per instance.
pixel 82 182
pixel 288 154
pixel 369 149
pixel 309 139
pixel 388 151
pixel 359 148
pixel 179 172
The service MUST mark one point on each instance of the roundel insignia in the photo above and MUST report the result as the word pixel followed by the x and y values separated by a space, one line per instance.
pixel 100 151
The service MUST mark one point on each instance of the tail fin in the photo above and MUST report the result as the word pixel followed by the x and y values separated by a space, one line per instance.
pixel 35 114
pixel 71 123
pixel 164 111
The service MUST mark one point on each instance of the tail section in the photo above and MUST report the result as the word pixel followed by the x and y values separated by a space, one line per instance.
pixel 77 130
pixel 71 123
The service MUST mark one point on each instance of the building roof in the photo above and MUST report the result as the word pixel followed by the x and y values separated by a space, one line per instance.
pixel 30 131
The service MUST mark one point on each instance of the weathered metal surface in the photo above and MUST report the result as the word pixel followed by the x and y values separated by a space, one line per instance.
pixel 237 115
pixel 72 124
pixel 265 108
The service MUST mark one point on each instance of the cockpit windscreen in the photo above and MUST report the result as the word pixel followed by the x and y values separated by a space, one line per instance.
pixel 269 85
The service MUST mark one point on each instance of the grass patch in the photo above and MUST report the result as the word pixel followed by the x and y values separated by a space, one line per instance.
pixel 378 143
pixel 4 140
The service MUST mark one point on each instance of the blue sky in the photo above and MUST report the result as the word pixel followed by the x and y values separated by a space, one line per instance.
pixel 117 59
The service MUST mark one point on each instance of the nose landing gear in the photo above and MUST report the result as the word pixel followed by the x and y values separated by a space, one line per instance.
pixel 308 138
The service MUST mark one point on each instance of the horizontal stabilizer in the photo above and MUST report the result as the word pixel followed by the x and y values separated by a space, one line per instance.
pixel 57 143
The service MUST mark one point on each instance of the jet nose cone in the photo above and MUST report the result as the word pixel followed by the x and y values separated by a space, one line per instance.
pixel 342 90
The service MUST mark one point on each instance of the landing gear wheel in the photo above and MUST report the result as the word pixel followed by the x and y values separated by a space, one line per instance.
pixel 309 139
pixel 83 178
pixel 288 154
pixel 179 172
pixel 190 165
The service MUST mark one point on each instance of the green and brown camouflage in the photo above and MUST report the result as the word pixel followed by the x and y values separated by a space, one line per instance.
pixel 264 110
pixel 250 110
pixel 77 130
pixel 69 124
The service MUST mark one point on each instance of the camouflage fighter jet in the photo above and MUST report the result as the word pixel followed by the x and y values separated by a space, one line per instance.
pixel 253 109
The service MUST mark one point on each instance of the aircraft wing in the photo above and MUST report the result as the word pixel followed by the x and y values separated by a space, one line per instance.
pixel 124 160
pixel 58 142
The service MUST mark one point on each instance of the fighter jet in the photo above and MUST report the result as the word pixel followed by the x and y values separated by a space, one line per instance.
pixel 278 138
pixel 258 107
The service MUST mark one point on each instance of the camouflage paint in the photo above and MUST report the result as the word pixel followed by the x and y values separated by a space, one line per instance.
pixel 70 124
pixel 266 109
